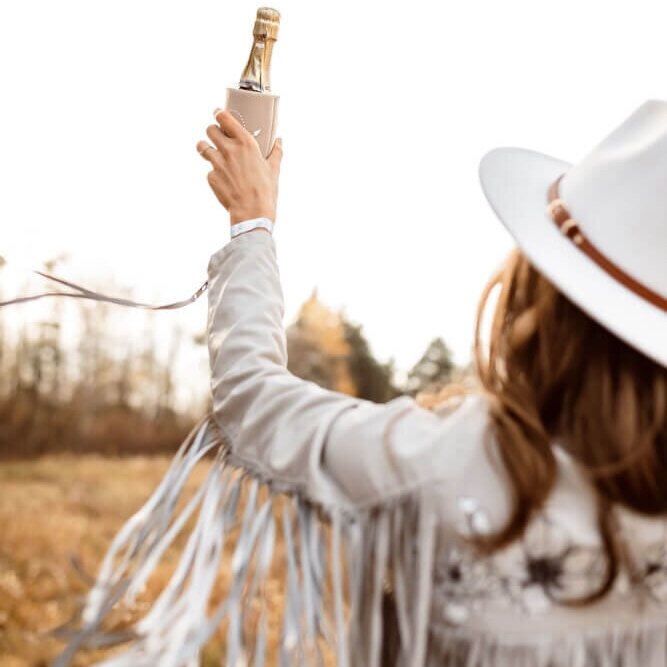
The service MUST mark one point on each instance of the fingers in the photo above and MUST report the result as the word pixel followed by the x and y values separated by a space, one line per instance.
pixel 221 142
pixel 231 126
pixel 217 182
pixel 209 153
pixel 224 136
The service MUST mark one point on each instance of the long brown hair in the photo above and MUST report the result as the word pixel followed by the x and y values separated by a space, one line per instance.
pixel 551 372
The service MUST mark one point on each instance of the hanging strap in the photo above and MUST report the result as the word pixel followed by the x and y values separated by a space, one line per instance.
pixel 84 293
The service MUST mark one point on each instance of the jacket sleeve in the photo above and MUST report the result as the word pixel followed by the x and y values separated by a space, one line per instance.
pixel 333 448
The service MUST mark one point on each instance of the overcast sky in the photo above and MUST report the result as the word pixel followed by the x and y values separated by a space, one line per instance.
pixel 385 112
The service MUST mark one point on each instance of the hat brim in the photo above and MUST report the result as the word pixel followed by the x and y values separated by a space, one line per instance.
pixel 515 182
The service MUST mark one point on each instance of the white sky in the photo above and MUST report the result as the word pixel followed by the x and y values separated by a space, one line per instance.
pixel 385 112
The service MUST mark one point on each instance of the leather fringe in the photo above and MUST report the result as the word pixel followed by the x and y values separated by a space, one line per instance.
pixel 630 645
pixel 341 570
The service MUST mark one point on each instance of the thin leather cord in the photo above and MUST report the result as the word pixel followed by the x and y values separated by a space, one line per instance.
pixel 561 216
pixel 84 293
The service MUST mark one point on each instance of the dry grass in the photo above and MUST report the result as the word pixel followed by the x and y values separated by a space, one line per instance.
pixel 53 509
pixel 64 506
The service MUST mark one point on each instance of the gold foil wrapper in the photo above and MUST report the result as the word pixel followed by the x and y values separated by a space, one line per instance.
pixel 267 23
pixel 256 74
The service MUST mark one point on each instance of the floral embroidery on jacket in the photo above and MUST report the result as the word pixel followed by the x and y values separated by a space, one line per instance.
pixel 546 567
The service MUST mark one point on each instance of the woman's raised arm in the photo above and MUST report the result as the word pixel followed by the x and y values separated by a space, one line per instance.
pixel 332 447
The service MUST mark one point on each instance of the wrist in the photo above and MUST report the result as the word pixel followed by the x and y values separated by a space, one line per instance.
pixel 261 230
pixel 239 216
pixel 251 224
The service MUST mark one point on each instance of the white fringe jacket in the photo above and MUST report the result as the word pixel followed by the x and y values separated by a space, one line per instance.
pixel 381 502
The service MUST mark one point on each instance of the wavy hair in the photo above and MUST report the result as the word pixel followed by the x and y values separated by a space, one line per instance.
pixel 553 373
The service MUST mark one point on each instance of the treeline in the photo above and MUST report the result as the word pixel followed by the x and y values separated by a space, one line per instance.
pixel 74 384
pixel 70 380
pixel 325 347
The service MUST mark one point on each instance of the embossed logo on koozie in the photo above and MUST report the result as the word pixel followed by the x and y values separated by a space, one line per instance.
pixel 239 115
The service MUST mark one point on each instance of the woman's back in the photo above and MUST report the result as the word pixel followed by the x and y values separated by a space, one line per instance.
pixel 519 605
pixel 389 527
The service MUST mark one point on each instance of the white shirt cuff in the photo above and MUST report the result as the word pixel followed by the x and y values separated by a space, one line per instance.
pixel 247 225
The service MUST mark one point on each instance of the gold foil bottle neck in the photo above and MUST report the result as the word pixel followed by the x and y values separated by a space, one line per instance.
pixel 256 74
pixel 267 23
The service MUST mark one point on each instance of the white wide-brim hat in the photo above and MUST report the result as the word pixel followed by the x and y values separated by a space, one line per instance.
pixel 615 199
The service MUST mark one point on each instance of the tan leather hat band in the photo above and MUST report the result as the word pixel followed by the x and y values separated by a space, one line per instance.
pixel 558 212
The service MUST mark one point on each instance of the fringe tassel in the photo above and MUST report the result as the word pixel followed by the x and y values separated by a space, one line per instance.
pixel 340 571
pixel 631 645
pixel 340 567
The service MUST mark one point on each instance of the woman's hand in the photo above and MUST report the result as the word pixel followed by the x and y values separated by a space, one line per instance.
pixel 244 182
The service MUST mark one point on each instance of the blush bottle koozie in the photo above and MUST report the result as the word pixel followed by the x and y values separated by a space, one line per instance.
pixel 252 102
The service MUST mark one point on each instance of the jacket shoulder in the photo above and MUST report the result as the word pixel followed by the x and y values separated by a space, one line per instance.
pixel 386 451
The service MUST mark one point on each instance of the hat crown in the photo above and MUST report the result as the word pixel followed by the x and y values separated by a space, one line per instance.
pixel 618 195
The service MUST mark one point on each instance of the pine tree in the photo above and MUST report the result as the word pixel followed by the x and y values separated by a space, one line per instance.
pixel 433 370
pixel 317 349
pixel 372 378
pixel 322 346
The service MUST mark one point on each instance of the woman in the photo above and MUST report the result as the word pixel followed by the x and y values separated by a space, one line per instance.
pixel 521 525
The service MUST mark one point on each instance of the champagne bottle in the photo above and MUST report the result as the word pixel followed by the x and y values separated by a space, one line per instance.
pixel 257 72
pixel 252 102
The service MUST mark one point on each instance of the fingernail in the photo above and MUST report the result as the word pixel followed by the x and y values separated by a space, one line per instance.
pixel 217 111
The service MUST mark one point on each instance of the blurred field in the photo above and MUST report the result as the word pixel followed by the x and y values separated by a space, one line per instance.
pixel 52 509
pixel 63 397
pixel 58 515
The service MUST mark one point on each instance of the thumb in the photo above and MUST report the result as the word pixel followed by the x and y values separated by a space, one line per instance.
pixel 276 154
